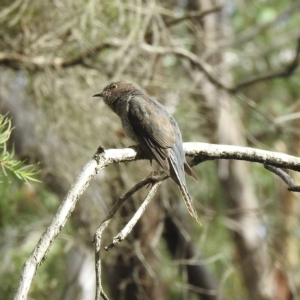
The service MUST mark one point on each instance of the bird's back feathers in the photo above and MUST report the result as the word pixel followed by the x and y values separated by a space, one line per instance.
pixel 160 137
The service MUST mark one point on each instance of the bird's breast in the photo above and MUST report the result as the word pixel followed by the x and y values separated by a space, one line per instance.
pixel 128 128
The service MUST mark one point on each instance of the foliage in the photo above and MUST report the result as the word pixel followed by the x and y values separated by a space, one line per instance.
pixel 8 162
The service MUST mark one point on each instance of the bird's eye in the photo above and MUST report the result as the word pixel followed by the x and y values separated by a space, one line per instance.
pixel 114 86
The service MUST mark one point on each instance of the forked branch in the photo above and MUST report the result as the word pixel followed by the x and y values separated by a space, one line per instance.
pixel 156 182
pixel 199 151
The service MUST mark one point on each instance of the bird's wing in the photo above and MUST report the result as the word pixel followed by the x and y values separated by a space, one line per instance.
pixel 152 127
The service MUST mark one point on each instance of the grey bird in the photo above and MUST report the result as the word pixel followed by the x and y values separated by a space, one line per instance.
pixel 148 123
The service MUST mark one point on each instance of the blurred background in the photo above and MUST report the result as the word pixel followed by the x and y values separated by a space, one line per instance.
pixel 227 71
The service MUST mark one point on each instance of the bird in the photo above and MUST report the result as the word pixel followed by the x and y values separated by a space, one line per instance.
pixel 147 122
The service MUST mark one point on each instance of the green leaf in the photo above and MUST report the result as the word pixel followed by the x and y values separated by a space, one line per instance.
pixel 7 159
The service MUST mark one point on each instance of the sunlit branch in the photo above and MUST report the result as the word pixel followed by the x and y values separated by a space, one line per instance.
pixel 199 151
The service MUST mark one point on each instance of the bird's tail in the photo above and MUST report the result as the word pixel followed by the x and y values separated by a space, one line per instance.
pixel 177 174
pixel 189 202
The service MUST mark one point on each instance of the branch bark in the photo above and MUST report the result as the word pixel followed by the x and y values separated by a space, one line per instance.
pixel 124 233
pixel 102 158
pixel 18 61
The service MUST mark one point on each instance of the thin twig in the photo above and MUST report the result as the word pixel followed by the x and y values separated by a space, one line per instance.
pixel 154 178
pixel 207 69
pixel 214 77
pixel 17 60
pixel 97 240
pixel 127 229
pixel 285 177
pixel 194 15
pixel 285 72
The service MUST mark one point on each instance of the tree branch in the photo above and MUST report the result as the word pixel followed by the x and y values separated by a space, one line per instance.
pixel 199 151
pixel 285 177
pixel 17 60
pixel 120 237
pixel 285 72
pixel 155 178
pixel 194 15
pixel 38 254
pixel 127 229
pixel 202 152
pixel 213 77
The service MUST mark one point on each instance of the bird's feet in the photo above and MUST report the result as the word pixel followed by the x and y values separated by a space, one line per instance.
pixel 140 152
pixel 136 148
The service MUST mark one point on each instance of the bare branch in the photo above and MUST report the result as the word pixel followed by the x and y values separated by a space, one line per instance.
pixel 57 223
pixel 285 72
pixel 285 177
pixel 97 240
pixel 155 178
pixel 100 160
pixel 213 77
pixel 17 60
pixel 199 151
pixel 127 229
pixel 202 152
pixel 194 15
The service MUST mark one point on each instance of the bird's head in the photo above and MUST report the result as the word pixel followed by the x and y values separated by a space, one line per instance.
pixel 113 91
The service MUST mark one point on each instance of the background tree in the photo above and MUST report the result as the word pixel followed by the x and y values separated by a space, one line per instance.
pixel 228 73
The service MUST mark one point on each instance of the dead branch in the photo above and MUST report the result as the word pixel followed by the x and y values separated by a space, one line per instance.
pixel 199 151
pixel 18 61
pixel 38 254
pixel 285 72
pixel 125 231
pixel 155 179
pixel 202 152
pixel 213 77
pixel 285 177
pixel 194 15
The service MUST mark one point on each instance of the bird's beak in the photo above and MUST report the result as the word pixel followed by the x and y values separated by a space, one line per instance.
pixel 98 95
